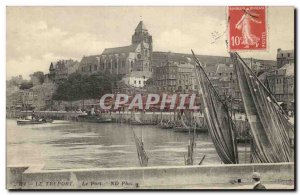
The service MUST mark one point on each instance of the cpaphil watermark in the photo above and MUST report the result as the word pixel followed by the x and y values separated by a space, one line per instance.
pixel 149 101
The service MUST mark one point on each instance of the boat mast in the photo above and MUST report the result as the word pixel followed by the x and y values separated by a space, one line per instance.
pixel 228 156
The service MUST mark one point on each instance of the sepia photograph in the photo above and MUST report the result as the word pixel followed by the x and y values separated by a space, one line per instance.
pixel 150 98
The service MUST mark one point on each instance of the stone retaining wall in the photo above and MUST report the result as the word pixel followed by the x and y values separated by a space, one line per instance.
pixel 143 177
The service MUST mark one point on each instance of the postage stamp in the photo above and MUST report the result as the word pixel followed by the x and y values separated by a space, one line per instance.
pixel 247 28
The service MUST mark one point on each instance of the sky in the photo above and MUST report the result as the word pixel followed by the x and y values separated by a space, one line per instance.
pixel 36 36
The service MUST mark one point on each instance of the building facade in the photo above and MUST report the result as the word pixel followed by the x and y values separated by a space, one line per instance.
pixel 136 78
pixel 225 82
pixel 59 71
pixel 221 76
pixel 173 73
pixel 281 84
pixel 285 57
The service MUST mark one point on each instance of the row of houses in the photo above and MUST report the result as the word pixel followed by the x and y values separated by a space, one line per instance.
pixel 281 83
pixel 281 80
pixel 39 97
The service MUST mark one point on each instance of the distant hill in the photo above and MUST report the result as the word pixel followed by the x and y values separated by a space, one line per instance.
pixel 212 60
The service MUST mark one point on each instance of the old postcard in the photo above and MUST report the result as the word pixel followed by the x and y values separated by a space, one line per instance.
pixel 138 98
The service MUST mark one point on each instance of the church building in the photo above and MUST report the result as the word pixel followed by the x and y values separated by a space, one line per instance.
pixel 132 61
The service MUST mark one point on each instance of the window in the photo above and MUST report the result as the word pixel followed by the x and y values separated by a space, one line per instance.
pixel 139 82
pixel 116 64
pixel 123 63
pixel 95 67
pixel 134 81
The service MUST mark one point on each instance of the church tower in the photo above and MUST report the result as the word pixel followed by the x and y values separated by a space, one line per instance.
pixel 142 37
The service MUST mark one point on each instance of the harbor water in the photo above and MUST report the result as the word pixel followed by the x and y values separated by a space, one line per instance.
pixel 69 145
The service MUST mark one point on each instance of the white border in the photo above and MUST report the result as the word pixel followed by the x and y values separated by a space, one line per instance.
pixel 5 3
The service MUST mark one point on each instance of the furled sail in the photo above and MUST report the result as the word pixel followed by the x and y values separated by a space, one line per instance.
pixel 217 118
pixel 190 159
pixel 142 155
pixel 190 155
pixel 268 123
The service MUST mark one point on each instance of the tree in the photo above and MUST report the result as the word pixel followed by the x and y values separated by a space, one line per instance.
pixel 26 85
pixel 150 81
pixel 78 86
pixel 39 75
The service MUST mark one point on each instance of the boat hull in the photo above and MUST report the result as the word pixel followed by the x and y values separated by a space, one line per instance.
pixel 23 122
pixel 94 119
pixel 198 130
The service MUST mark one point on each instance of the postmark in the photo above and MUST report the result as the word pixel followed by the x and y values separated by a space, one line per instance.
pixel 247 28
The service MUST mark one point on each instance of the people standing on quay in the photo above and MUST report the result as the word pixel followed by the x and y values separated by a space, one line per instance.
pixel 257 184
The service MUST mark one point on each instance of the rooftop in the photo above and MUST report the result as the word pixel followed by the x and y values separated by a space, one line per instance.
pixel 223 68
pixel 90 59
pixel 263 76
pixel 285 53
pixel 186 66
pixel 141 27
pixel 117 50
pixel 289 69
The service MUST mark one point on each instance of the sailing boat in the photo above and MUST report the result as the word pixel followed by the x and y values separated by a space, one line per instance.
pixel 142 155
pixel 268 122
pixel 218 120
pixel 186 123
pixel 166 125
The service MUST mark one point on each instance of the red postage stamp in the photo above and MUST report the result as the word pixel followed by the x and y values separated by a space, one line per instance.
pixel 247 28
